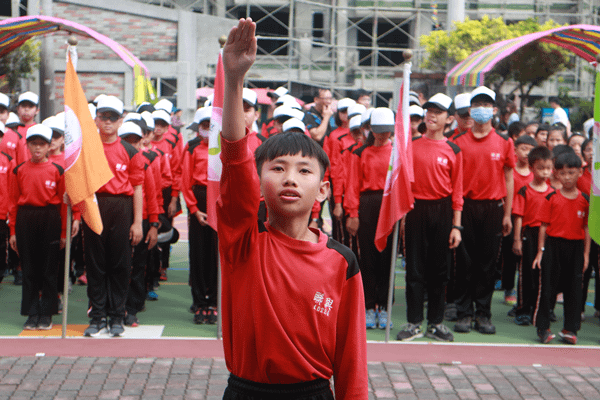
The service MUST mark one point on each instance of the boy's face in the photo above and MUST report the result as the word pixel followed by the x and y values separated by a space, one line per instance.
pixel 575 143
pixel 249 115
pixel 290 184
pixel 160 128
pixel 27 111
pixel 4 114
pixel 57 141
pixel 108 122
pixel 554 139
pixel 38 148
pixel 415 120
pixel 588 153
pixel 568 176
pixel 278 125
pixel 541 137
pixel 542 169
pixel 522 151
pixel 436 119
pixel 134 140
pixel 464 121
pixel 531 130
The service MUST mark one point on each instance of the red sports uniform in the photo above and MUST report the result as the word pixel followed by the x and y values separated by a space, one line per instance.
pixel 566 218
pixel 312 316
pixel 584 183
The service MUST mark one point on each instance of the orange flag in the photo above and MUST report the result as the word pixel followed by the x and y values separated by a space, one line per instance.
pixel 86 168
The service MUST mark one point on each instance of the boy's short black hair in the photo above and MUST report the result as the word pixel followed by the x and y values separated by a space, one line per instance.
pixel 561 148
pixel 542 127
pixel 291 143
pixel 567 159
pixel 538 153
pixel 525 139
pixel 515 128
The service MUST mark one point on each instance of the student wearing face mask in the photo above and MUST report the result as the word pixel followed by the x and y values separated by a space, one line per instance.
pixel 488 162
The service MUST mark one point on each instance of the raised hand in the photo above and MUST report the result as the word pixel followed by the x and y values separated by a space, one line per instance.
pixel 239 52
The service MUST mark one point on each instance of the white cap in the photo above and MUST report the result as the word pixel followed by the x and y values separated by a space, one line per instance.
pixel 382 120
pixel 4 100
pixel 355 122
pixel 130 128
pixel 2 128
pixel 132 117
pixel 483 91
pixel 438 100
pixel 60 120
pixel 366 116
pixel 145 106
pixel 147 116
pixel 92 109
pixel 13 119
pixel 356 109
pixel 462 102
pixel 283 110
pixel 413 98
pixel 249 96
pixel 109 103
pixel 345 103
pixel 415 110
pixel 209 100
pixel 280 91
pixel 162 114
pixel 98 98
pixel 293 123
pixel 39 130
pixel 30 97
pixel 286 99
pixel 164 104
pixel 53 123
pixel 202 114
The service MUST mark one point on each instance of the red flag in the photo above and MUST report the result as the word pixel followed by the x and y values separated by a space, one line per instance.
pixel 214 146
pixel 397 197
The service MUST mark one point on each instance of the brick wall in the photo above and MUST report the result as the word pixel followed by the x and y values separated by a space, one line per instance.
pixel 147 38
pixel 93 84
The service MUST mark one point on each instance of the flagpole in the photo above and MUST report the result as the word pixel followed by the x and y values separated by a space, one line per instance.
pixel 67 269
pixel 407 54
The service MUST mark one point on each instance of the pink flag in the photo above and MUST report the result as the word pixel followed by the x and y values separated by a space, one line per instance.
pixel 214 146
pixel 397 197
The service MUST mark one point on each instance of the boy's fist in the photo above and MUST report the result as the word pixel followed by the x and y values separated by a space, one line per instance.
pixel 239 52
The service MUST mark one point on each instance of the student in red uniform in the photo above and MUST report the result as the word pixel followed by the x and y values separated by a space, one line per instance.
pixel 563 250
pixel 464 122
pixel 433 227
pixel 37 189
pixel 132 133
pixel 10 140
pixel 528 201
pixel 557 135
pixel 312 316
pixel 203 251
pixel 522 175
pixel 121 201
pixel 488 162
pixel 364 193
pixel 251 114
pixel 416 119
pixel 6 167
pixel 27 109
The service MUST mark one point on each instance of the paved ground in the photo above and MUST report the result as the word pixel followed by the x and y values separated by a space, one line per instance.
pixel 567 373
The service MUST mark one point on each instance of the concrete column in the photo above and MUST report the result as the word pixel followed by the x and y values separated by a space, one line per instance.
pixel 186 64
pixel 47 93
pixel 342 41
pixel 456 12
pixel 14 10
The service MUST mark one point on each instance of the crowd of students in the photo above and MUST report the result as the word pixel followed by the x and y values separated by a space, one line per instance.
pixel 488 204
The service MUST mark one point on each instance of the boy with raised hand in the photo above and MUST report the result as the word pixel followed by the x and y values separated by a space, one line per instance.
pixel 433 227
pixel 563 249
pixel 306 288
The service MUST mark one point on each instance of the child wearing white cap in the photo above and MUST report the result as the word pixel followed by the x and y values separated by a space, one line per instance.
pixel 362 203
pixel 37 190
pixel 27 109
pixel 416 118
pixel 6 166
pixel 251 114
pixel 11 139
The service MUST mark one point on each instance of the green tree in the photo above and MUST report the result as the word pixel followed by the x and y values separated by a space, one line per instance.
pixel 529 66
pixel 19 64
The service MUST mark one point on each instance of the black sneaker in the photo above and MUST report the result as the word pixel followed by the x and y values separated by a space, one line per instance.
pixel 194 308
pixel 211 317
pixel 32 323
pixel 97 326
pixel 513 312
pixel 545 336
pixel 450 312
pixel 523 320
pixel 409 332
pixel 131 320
pixel 45 322
pixel 440 332
pixel 484 325
pixel 463 325
pixel 200 316
pixel 116 327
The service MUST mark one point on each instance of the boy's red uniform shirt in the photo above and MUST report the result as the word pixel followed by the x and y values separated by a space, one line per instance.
pixel 566 218
pixel 584 183
pixel 484 160
pixel 283 323
pixel 7 165
pixel 165 149
pixel 22 152
pixel 528 203
pixel 150 210
pixel 127 166
pixel 254 140
pixel 177 157
pixel 439 164
pixel 154 160
pixel 194 171
pixel 520 181
pixel 368 171
pixel 9 143
pixel 37 185
pixel 339 174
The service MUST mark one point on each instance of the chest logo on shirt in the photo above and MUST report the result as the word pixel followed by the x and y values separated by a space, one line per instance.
pixel 3 170
pixel 121 167
pixel 442 161
pixel 50 184
pixel 496 156
pixel 580 214
pixel 11 145
pixel 322 305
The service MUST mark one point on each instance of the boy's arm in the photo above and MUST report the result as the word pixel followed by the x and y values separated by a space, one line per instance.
pixel 518 243
pixel 136 232
pixel 455 235
pixel 510 191
pixel 239 54
pixel 537 262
